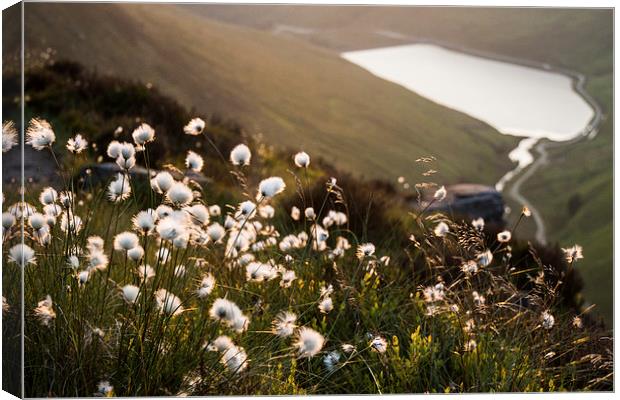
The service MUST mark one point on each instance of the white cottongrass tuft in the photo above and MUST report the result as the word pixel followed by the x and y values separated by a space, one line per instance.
pixel 40 134
pixel 302 159
pixel 240 155
pixel 221 343
pixel 478 223
pixel 194 161
pixel 271 186
pixel 365 250
pixel 309 213
pixel 309 342
pixel 22 254
pixel 199 214
pixel 125 241
pixel 229 313
pixel 485 258
pixel 119 189
pixel 504 236
pixel 284 324
pixel 573 254
pixel 326 305
pixel 143 134
pixel 235 359
pixel 114 149
pixel 207 284
pixel 378 344
pixel 146 272
pixel 9 136
pixel 440 194
pixel 331 359
pixel 266 212
pixel 144 221
pixel 215 210
pixel 37 221
pixel 295 213
pixel 162 182
pixel 130 293
pixel 105 389
pixel 194 127
pixel 216 232
pixel 136 253
pixel 547 320
pixel 48 196
pixel 441 229
pixel 168 303
pixel 179 194
pixel 77 144
pixel 171 228
pixel 45 311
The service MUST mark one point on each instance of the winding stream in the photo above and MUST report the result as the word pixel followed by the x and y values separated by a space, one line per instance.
pixel 533 103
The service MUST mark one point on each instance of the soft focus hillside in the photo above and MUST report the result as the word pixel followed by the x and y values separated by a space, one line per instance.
pixel 293 92
pixel 574 190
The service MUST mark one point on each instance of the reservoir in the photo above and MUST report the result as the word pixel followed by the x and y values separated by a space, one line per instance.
pixel 514 99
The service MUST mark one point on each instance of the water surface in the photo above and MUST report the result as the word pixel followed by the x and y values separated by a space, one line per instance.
pixel 514 99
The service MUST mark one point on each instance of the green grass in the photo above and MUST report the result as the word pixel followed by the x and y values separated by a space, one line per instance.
pixel 96 336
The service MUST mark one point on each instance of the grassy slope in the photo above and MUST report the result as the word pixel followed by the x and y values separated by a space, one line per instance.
pixel 296 94
pixel 580 40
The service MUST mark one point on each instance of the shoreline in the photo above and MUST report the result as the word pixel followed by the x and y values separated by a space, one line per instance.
pixel 513 185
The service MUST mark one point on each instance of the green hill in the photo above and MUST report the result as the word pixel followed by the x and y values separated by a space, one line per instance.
pixel 293 92
pixel 574 191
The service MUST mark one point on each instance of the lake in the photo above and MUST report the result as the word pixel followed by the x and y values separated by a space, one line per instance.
pixel 514 99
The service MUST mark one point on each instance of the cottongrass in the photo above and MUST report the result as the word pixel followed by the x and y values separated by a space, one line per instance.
pixel 157 290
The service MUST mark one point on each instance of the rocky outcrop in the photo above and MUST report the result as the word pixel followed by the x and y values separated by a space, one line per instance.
pixel 470 201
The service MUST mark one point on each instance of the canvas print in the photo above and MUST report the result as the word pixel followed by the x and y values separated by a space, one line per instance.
pixel 227 199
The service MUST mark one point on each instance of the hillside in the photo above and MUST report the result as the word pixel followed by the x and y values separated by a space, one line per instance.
pixel 574 191
pixel 367 292
pixel 293 92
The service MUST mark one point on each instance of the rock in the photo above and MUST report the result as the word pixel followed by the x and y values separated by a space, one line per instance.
pixel 470 201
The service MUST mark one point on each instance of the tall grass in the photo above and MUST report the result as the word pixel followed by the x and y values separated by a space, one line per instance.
pixel 417 310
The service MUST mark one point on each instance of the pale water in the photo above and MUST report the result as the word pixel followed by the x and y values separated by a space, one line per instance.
pixel 514 99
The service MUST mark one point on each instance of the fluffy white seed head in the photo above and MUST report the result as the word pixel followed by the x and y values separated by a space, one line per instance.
pixel 120 188
pixel 194 161
pixel 77 144
pixel 143 134
pixel 144 221
pixel 125 241
pixel 40 134
pixel 22 254
pixel 9 136
pixel 130 293
pixel 48 196
pixel 284 324
pixel 441 229
pixel 271 186
pixel 194 127
pixel 302 159
pixel 168 303
pixel 240 155
pixel 179 194
pixel 162 182
pixel 309 342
